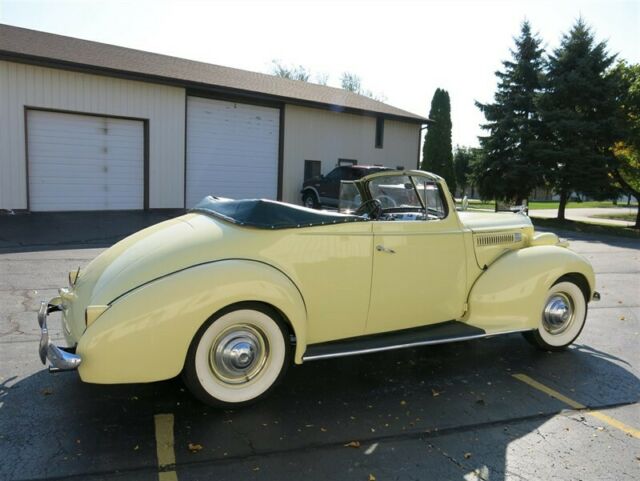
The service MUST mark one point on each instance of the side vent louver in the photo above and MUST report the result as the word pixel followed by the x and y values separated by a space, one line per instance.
pixel 498 239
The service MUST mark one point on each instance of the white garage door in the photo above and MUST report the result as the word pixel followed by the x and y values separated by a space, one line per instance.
pixel 82 162
pixel 232 150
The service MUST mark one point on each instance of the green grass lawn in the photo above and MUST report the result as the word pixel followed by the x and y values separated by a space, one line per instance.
pixel 552 204
pixel 586 227
pixel 576 205
pixel 627 217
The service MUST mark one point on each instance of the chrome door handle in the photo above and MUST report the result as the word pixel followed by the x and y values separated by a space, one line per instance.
pixel 381 248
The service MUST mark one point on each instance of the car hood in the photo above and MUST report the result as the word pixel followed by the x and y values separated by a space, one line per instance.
pixel 493 221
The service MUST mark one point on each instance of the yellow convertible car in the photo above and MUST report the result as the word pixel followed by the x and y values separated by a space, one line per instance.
pixel 234 291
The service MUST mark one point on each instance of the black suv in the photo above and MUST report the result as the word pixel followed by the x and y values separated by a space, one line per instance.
pixel 325 189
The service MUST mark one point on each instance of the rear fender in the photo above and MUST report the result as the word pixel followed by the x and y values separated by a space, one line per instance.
pixel 144 335
pixel 510 294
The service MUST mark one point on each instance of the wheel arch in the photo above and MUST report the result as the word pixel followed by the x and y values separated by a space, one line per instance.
pixel 142 339
pixel 508 295
pixel 581 281
pixel 312 190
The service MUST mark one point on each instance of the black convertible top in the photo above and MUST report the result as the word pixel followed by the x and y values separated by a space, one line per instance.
pixel 269 214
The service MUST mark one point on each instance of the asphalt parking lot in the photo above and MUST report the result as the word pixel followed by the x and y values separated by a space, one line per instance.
pixel 492 409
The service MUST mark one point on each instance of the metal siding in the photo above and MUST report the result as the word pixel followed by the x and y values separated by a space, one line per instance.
pixel 26 85
pixel 327 136
pixel 232 150
pixel 80 162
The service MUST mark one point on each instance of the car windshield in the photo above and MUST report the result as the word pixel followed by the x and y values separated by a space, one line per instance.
pixel 395 192
pixel 400 197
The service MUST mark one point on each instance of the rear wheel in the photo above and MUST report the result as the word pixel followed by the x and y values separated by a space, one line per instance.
pixel 562 319
pixel 237 356
pixel 310 200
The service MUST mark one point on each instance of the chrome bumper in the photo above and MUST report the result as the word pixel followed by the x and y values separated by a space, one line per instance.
pixel 61 359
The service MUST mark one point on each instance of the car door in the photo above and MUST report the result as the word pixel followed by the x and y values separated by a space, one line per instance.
pixel 419 271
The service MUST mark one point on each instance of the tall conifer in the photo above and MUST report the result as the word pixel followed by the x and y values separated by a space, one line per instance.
pixel 579 110
pixel 512 166
pixel 437 152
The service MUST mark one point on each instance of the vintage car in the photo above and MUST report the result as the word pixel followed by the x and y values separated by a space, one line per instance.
pixel 234 291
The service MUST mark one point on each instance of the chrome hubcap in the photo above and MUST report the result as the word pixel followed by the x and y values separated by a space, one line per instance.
pixel 238 354
pixel 558 313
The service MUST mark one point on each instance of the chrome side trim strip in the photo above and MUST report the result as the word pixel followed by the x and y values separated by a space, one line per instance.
pixel 403 346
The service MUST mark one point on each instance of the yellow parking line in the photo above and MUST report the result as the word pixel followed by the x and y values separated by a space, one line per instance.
pixel 576 405
pixel 547 390
pixel 164 446
pixel 615 423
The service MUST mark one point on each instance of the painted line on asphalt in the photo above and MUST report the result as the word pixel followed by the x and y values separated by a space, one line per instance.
pixel 165 447
pixel 578 406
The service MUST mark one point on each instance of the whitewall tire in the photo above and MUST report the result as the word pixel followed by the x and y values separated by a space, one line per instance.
pixel 562 317
pixel 237 356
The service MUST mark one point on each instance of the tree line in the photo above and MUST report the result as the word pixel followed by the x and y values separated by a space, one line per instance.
pixel 568 120
pixel 348 80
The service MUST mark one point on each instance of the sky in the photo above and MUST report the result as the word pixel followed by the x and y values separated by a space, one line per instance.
pixel 401 49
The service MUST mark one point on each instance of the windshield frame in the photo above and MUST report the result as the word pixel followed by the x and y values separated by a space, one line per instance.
pixel 363 188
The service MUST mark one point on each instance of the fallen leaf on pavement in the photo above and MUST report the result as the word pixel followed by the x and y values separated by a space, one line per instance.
pixel 47 391
pixel 372 477
pixel 467 455
pixel 352 444
pixel 194 447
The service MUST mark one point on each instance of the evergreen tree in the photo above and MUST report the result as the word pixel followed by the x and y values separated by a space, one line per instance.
pixel 580 112
pixel 463 158
pixel 437 154
pixel 511 166
pixel 626 174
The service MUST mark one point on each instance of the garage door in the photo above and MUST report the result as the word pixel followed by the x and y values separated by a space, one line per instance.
pixel 82 162
pixel 232 150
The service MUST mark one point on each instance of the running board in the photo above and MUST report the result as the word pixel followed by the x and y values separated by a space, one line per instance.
pixel 450 331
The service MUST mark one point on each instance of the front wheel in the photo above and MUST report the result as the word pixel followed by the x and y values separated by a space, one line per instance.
pixel 310 200
pixel 562 319
pixel 237 356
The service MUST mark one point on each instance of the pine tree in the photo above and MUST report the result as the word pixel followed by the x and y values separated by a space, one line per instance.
pixel 511 164
pixel 437 153
pixel 579 109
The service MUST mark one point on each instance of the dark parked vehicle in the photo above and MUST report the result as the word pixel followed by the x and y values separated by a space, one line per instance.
pixel 324 190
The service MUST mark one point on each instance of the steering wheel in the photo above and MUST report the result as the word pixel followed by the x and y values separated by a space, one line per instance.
pixel 371 207
pixel 387 201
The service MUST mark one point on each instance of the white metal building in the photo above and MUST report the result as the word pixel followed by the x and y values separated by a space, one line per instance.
pixel 90 126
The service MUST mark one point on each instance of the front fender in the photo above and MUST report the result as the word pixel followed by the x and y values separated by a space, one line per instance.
pixel 145 334
pixel 510 294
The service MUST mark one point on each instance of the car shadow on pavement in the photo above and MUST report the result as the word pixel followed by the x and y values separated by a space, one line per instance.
pixel 39 231
pixel 440 412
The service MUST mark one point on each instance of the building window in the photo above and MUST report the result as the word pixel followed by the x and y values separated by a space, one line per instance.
pixel 347 162
pixel 312 168
pixel 379 132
